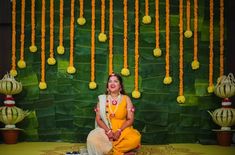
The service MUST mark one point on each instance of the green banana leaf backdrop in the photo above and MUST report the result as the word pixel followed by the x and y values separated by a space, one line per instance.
pixel 64 111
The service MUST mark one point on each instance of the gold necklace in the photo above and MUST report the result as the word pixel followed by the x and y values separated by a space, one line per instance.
pixel 116 107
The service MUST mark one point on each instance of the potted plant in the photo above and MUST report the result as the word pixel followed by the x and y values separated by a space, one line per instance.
pixel 9 113
pixel 224 116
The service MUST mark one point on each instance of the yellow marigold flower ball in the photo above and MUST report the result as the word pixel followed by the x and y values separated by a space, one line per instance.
pixel 125 72
pixel 167 80
pixel 181 99
pixel 195 65
pixel 60 49
pixel 21 64
pixel 81 21
pixel 146 19
pixel 92 85
pixel 51 61
pixel 33 48
pixel 42 85
pixel 157 52
pixel 210 89
pixel 71 70
pixel 188 34
pixel 136 94
pixel 13 72
pixel 102 37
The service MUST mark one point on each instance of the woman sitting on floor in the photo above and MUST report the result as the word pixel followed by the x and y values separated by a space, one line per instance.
pixel 114 133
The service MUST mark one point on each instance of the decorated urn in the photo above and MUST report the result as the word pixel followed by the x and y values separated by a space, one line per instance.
pixel 224 116
pixel 9 113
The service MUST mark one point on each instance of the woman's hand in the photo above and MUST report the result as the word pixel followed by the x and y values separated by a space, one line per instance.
pixel 110 135
pixel 117 134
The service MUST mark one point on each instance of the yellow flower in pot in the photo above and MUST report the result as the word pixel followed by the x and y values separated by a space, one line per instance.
pixel 9 113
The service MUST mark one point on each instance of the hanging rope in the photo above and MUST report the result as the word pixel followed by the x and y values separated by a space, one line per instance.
pixel 181 98
pixel 13 71
pixel 33 48
pixel 42 84
pixel 195 64
pixel 157 52
pixel 146 19
pixel 110 37
pixel 92 84
pixel 125 71
pixel 51 60
pixel 221 38
pixel 81 20
pixel 60 48
pixel 71 69
pixel 21 63
pixel 210 88
pixel 167 78
pixel 102 36
pixel 188 33
pixel 136 93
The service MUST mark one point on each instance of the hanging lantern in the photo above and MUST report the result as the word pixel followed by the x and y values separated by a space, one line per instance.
pixel 9 86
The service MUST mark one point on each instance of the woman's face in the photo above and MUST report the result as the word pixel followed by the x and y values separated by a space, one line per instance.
pixel 114 84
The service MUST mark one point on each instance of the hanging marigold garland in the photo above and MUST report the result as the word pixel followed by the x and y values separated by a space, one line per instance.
pixel 42 84
pixel 181 98
pixel 188 33
pixel 33 48
pixel 71 69
pixel 110 37
pixel 21 63
pixel 146 19
pixel 102 36
pixel 221 38
pixel 13 71
pixel 195 64
pixel 157 52
pixel 210 88
pixel 92 84
pixel 136 93
pixel 167 78
pixel 125 71
pixel 60 48
pixel 81 20
pixel 51 60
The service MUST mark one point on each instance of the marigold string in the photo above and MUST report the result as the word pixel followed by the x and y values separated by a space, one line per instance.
pixel 51 60
pixel 71 69
pixel 157 51
pixel 42 84
pixel 125 71
pixel 136 93
pixel 188 33
pixel 110 37
pixel 195 64
pixel 13 71
pixel 167 79
pixel 92 84
pixel 210 88
pixel 81 20
pixel 60 48
pixel 221 37
pixel 102 36
pixel 157 23
pixel 32 48
pixel 146 19
pixel 181 98
pixel 21 63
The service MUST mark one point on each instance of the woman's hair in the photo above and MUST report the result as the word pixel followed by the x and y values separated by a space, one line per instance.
pixel 122 91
